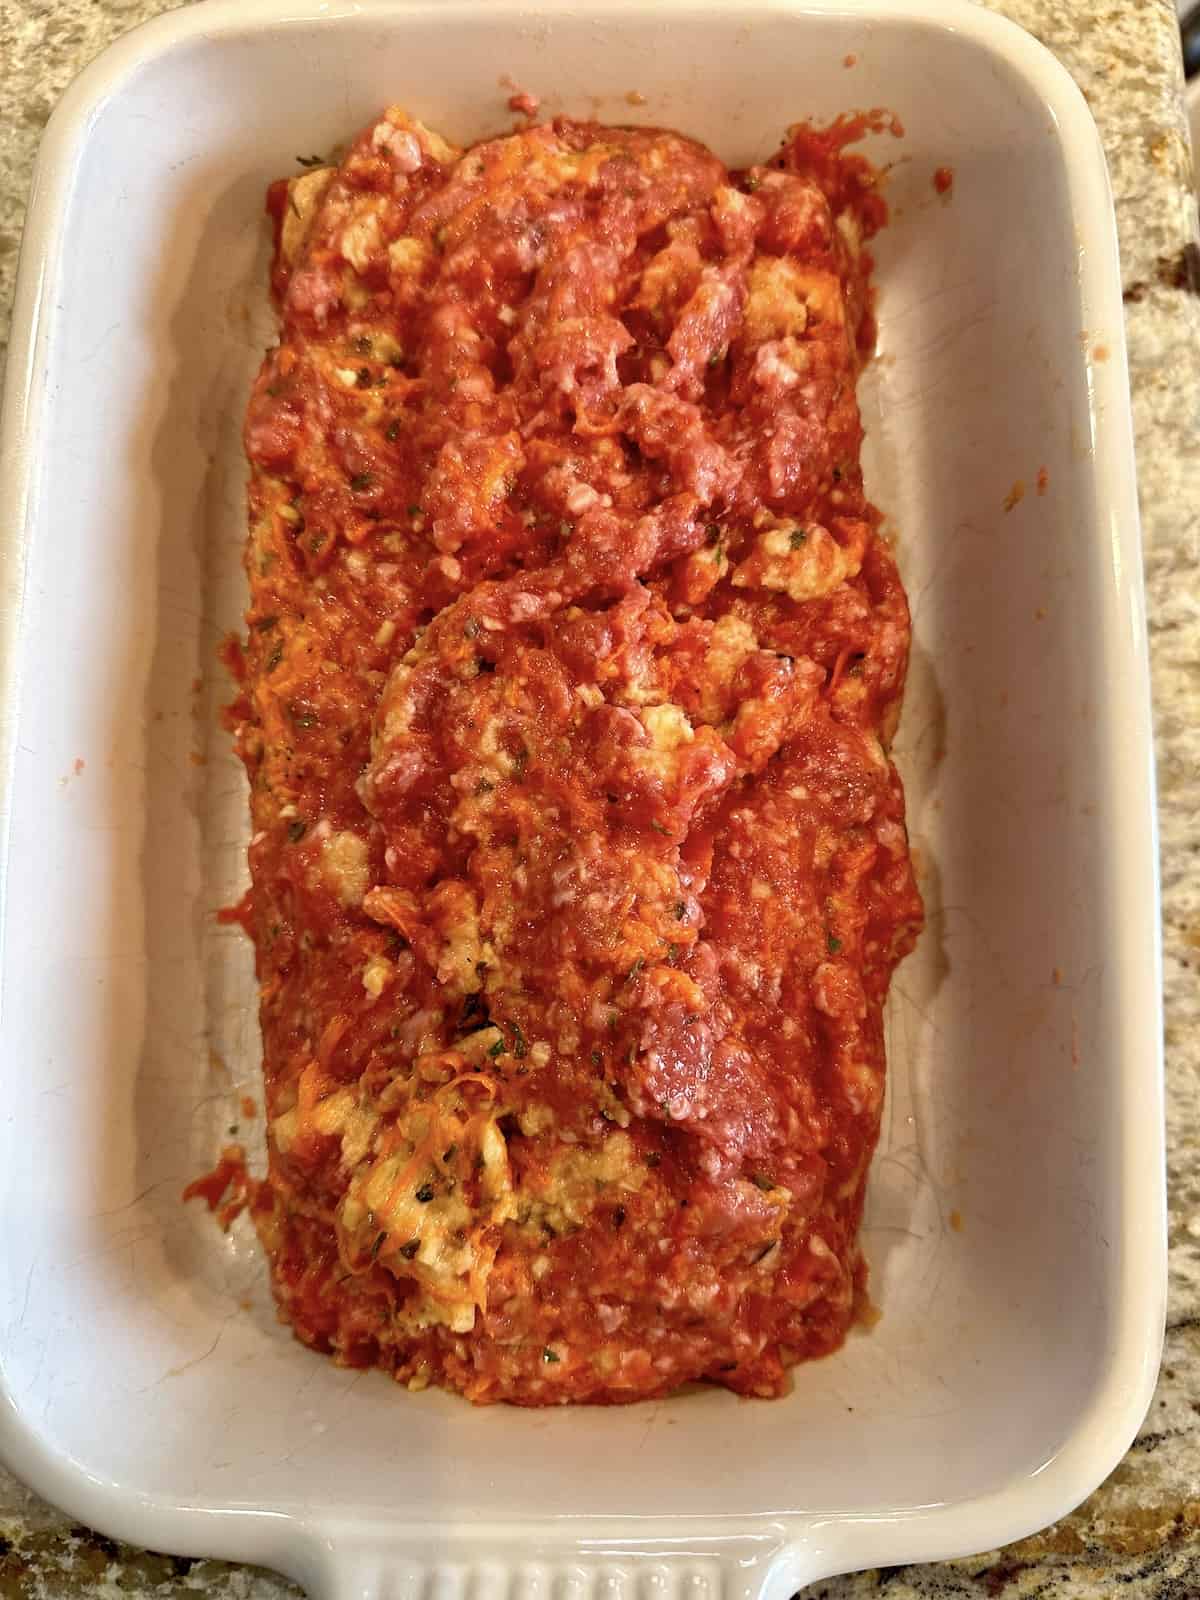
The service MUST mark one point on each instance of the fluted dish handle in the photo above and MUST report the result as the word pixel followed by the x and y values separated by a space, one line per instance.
pixel 767 1566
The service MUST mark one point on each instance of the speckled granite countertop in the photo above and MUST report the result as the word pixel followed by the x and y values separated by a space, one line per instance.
pixel 1139 1535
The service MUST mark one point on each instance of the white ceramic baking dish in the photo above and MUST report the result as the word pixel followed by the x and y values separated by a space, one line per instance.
pixel 1015 1226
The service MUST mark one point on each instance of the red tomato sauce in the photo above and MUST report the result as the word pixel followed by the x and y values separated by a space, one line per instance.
pixel 579 867
pixel 227 1189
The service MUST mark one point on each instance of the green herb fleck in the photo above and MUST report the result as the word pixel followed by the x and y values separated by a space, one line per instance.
pixel 378 1245
pixel 597 1058
pixel 262 624
pixel 311 161
pixel 798 537
pixel 751 183
pixel 635 969
pixel 763 1182
pixel 618 1217
pixel 275 658
pixel 549 1356
pixel 363 379
pixel 520 1047
pixel 714 531
pixel 361 481
pixel 498 1048
pixel 672 954
pixel 409 1250
pixel 296 831
pixel 362 345
pixel 659 827
pixel 416 511
pixel 680 910
pixel 833 945
pixel 392 431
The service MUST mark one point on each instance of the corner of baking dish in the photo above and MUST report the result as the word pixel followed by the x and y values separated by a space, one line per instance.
pixel 575 1557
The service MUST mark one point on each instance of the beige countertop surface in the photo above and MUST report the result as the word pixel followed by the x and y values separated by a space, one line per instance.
pixel 1139 1534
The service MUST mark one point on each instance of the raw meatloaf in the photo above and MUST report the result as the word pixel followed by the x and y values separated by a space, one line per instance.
pixel 579 867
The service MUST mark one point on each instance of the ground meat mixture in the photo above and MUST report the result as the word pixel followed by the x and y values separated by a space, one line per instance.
pixel 579 867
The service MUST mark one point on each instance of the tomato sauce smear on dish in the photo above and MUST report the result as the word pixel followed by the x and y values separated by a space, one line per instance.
pixel 579 866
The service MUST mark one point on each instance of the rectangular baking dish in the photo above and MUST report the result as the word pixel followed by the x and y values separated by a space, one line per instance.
pixel 1016 1222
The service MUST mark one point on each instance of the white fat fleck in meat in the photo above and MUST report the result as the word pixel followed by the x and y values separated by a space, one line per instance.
pixel 396 775
pixel 780 366
pixel 421 1031
pixel 581 498
pixel 344 867
pixel 401 145
pixel 565 883
pixel 709 1160
pixel 377 974
pixel 892 838
pixel 863 1086
pixel 610 1317
pixel 524 607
